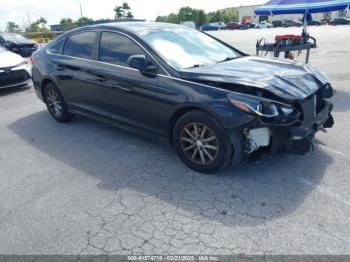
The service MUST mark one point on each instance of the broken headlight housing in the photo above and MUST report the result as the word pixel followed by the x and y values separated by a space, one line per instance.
pixel 268 110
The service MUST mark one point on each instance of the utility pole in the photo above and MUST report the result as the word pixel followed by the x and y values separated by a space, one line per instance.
pixel 30 22
pixel 81 11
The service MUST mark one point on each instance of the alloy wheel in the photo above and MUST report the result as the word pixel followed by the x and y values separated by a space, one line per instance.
pixel 199 143
pixel 54 103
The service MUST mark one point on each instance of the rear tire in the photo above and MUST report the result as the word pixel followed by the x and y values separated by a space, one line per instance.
pixel 55 103
pixel 201 142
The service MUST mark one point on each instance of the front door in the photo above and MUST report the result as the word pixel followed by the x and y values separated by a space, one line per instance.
pixel 124 93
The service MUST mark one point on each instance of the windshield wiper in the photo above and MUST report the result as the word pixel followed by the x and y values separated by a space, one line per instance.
pixel 196 65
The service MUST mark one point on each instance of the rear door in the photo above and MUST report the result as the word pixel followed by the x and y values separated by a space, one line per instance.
pixel 124 93
pixel 72 69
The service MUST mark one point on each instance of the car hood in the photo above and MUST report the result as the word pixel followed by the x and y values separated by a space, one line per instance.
pixel 284 78
pixel 9 59
pixel 21 41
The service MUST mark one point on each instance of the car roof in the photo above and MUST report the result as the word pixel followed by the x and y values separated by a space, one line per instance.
pixel 135 27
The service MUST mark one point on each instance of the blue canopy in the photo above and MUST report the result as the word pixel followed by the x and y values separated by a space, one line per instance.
pixel 280 7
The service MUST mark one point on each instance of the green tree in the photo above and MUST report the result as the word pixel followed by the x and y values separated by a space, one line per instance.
pixel 230 15
pixel 42 21
pixel 33 27
pixel 186 14
pixel 129 15
pixel 12 27
pixel 67 24
pixel 217 17
pixel 84 20
pixel 173 18
pixel 119 12
pixel 162 19
pixel 126 6
pixel 123 11
pixel 202 18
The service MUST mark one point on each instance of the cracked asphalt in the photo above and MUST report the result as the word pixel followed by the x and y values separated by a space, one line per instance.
pixel 88 188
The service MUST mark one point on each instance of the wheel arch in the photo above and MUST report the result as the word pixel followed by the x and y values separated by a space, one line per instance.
pixel 44 83
pixel 179 112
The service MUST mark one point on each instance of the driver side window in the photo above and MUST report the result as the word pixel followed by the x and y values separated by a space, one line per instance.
pixel 116 49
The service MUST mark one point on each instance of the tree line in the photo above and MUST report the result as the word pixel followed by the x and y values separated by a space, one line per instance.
pixel 200 17
pixel 122 12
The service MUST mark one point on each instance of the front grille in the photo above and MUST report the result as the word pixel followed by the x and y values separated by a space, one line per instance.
pixel 26 46
pixel 13 77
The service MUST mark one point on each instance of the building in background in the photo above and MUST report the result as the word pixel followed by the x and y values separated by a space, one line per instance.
pixel 247 15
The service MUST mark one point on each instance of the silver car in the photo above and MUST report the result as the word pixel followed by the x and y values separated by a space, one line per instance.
pixel 14 69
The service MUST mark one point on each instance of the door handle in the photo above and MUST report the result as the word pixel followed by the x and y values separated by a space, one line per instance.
pixel 120 85
pixel 60 67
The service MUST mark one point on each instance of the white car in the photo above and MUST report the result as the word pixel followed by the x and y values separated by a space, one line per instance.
pixel 263 25
pixel 14 69
pixel 219 25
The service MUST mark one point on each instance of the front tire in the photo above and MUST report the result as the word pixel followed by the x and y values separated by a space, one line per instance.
pixel 55 103
pixel 201 142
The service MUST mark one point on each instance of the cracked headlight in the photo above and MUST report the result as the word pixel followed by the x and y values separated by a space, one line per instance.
pixel 263 107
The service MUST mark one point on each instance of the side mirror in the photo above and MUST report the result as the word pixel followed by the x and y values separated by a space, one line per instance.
pixel 140 63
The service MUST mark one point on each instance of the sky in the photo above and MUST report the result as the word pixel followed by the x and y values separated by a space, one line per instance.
pixel 21 11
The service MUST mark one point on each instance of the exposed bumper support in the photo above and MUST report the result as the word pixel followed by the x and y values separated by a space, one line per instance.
pixel 293 139
pixel 298 140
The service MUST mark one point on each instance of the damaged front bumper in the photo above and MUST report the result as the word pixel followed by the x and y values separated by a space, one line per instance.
pixel 295 138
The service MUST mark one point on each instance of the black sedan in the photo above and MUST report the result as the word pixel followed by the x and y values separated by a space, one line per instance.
pixel 214 103
pixel 291 22
pixel 18 44
pixel 314 22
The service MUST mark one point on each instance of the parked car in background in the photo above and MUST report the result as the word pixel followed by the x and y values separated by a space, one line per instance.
pixel 214 103
pixel 263 25
pixel 219 25
pixel 18 44
pixel 233 26
pixel 14 69
pixel 190 24
pixel 291 22
pixel 314 22
pixel 340 21
pixel 208 27
pixel 244 26
pixel 250 24
pixel 277 23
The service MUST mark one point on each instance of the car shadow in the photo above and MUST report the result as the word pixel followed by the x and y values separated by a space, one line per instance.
pixel 13 90
pixel 248 194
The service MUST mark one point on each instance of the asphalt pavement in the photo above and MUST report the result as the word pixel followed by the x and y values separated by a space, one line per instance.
pixel 88 188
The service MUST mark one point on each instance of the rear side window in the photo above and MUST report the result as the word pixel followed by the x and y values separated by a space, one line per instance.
pixel 57 47
pixel 116 48
pixel 80 45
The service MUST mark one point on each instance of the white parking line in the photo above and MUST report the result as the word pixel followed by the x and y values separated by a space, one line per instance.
pixel 323 190
pixel 334 151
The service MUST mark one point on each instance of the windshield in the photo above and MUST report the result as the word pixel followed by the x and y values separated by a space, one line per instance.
pixel 184 47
